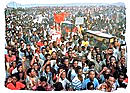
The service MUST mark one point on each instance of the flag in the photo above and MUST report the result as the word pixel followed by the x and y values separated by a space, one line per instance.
pixel 60 17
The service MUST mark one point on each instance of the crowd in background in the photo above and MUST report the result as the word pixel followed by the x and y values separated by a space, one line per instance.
pixel 34 61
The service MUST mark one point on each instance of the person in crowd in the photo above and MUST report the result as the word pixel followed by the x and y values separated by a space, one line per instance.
pixel 99 63
pixel 36 59
pixel 72 73
pixel 120 82
pixel 108 85
pixel 78 79
pixel 91 78
pixel 31 78
pixel 94 54
pixel 62 78
pixel 42 54
pixel 28 52
pixel 12 67
pixel 14 84
pixel 44 86
pixel 84 64
pixel 9 58
pixel 85 41
pixel 66 64
pixel 47 72
pixel 102 76
pixel 113 67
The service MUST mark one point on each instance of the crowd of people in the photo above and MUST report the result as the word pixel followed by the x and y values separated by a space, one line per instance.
pixel 34 61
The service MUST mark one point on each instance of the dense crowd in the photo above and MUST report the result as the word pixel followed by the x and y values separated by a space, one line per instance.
pixel 34 61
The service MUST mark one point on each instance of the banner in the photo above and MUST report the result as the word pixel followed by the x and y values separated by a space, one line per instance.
pixel 79 21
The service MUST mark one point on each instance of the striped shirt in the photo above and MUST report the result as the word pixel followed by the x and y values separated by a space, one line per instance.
pixel 76 83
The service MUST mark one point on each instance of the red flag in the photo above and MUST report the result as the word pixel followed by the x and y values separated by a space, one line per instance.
pixel 59 17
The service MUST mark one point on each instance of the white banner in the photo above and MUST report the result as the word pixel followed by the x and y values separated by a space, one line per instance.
pixel 79 20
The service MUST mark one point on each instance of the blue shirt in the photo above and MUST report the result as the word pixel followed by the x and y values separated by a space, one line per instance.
pixel 48 76
pixel 85 82
pixel 42 56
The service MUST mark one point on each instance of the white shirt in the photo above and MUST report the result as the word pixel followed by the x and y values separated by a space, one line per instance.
pixel 64 82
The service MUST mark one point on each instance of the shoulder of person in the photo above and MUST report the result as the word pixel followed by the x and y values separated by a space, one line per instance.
pixel 9 84
pixel 95 79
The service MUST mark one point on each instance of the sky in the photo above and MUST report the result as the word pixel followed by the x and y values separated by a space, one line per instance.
pixel 15 4
pixel 63 1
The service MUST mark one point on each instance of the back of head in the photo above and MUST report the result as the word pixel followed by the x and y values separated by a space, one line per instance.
pixel 43 79
pixel 58 86
pixel 90 86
